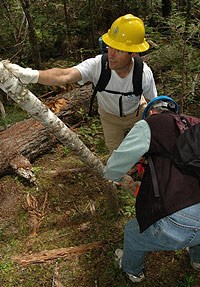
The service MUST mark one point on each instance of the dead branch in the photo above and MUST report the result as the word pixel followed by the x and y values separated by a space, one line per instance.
pixel 37 213
pixel 47 255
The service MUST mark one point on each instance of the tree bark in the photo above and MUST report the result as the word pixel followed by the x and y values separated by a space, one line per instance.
pixel 27 138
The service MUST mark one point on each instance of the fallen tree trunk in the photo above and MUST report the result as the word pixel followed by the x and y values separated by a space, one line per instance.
pixel 27 138
pixel 31 139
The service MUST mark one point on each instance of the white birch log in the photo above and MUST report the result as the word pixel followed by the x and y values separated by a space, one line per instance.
pixel 29 102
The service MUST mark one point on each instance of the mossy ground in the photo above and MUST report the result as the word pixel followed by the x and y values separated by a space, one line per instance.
pixel 78 212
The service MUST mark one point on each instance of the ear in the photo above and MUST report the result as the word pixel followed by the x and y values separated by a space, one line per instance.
pixel 134 54
pixel 152 112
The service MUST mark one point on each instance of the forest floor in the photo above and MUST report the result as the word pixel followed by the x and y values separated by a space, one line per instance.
pixel 77 212
pixel 69 217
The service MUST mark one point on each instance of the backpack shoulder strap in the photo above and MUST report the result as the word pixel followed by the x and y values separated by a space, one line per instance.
pixel 137 78
pixel 181 122
pixel 137 75
pixel 105 74
pixel 102 81
pixel 154 177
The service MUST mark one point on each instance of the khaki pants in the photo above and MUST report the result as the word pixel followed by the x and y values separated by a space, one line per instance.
pixel 116 127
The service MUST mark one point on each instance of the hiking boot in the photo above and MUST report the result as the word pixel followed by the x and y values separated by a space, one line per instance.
pixel 195 265
pixel 134 278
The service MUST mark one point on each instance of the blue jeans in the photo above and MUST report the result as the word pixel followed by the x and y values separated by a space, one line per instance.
pixel 177 231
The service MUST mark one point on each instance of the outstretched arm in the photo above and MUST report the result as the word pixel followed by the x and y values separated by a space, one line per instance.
pixel 59 76
pixel 54 76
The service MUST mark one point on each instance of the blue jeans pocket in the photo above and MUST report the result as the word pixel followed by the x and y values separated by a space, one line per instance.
pixel 178 230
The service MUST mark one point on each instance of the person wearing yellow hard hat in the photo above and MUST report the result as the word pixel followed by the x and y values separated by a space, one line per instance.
pixel 120 104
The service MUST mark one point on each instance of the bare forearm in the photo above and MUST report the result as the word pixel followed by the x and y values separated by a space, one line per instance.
pixel 59 76
pixel 52 77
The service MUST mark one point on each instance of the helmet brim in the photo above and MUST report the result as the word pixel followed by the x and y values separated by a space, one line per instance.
pixel 124 47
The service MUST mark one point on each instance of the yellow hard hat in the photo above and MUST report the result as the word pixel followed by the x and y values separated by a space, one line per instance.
pixel 127 34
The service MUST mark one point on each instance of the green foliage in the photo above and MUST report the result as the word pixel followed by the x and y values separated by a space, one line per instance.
pixel 188 281
pixel 36 169
pixel 83 114
pixel 127 203
pixel 65 151
pixel 6 268
pixel 92 134
pixel 13 114
pixel 177 70
pixel 178 253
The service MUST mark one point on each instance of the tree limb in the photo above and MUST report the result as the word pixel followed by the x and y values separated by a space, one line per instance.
pixel 43 256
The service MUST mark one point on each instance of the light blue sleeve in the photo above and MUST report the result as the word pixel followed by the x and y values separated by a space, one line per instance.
pixel 133 147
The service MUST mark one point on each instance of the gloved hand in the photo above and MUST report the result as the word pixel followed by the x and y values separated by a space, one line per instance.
pixel 8 85
pixel 130 185
pixel 25 75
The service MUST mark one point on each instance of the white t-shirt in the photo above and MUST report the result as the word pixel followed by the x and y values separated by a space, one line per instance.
pixel 90 70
